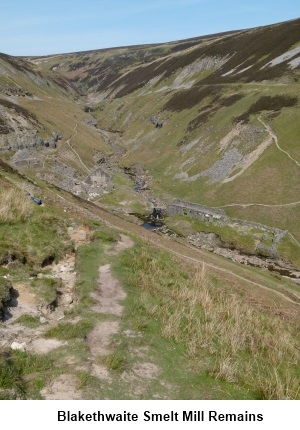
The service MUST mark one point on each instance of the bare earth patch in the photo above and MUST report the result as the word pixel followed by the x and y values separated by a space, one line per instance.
pixel 64 387
pixel 125 243
pixel 99 339
pixel 24 303
pixel 109 293
pixel 146 370
pixel 43 346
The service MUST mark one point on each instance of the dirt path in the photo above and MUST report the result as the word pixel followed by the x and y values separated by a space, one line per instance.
pixel 109 293
pixel 73 150
pixel 108 296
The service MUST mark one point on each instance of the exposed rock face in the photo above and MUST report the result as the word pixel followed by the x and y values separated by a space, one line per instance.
pixel 19 127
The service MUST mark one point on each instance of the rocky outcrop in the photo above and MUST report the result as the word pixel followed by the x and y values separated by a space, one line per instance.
pixel 19 128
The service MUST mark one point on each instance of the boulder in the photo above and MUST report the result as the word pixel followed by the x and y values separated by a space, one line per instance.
pixel 16 346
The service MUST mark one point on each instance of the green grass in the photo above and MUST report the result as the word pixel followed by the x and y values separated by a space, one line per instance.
pixel 115 361
pixel 46 289
pixel 69 331
pixel 28 321
pixel 22 375
pixel 289 250
pixel 125 197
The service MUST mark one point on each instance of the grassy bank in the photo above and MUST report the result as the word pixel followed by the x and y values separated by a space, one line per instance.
pixel 223 336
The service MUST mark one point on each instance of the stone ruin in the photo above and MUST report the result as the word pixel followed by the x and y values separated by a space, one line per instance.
pixel 193 210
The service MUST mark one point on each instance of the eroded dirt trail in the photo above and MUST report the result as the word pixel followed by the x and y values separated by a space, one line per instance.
pixel 109 293
pixel 107 296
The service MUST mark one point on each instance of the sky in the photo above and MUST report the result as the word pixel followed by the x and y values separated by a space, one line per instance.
pixel 38 27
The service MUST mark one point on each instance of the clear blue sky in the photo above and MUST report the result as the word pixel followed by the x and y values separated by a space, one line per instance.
pixel 37 27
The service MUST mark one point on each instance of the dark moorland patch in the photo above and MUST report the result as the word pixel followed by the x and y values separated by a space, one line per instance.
pixel 195 41
pixel 256 48
pixel 182 46
pixel 63 83
pixel 200 119
pixel 137 78
pixel 186 99
pixel 268 103
pixel 231 100
pixel 104 72
pixel 209 110
pixel 241 50
pixel 75 66
pixel 19 64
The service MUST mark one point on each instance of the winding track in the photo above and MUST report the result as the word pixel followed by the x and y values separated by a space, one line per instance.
pixel 273 135
pixel 73 150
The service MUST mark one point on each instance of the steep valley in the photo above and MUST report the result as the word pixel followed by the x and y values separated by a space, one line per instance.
pixel 205 129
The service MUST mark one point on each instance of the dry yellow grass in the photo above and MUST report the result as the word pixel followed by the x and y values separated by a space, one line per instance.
pixel 236 340
pixel 15 206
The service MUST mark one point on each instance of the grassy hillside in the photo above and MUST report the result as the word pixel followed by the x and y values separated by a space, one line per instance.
pixel 89 298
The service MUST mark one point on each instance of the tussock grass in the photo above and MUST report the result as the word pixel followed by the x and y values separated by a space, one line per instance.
pixel 231 338
pixel 115 361
pixel 14 206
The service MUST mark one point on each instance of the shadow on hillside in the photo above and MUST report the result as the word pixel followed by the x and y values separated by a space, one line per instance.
pixel 13 303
